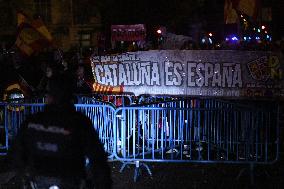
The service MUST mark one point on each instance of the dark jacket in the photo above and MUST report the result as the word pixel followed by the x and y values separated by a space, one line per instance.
pixel 56 143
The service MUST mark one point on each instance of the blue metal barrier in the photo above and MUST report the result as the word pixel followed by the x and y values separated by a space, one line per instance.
pixel 180 102
pixel 116 100
pixel 13 116
pixel 207 131
pixel 175 130
pixel 102 117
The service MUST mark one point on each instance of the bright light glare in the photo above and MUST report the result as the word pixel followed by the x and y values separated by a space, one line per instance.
pixel 234 38
pixel 54 187
pixel 210 41
pixel 159 31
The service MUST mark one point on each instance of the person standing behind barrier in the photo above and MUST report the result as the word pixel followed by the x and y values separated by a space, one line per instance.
pixel 50 70
pixel 84 86
pixel 51 146
pixel 68 73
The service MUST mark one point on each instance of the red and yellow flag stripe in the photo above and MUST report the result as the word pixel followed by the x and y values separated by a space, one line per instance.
pixel 107 88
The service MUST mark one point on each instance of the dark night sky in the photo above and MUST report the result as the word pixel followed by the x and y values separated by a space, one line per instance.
pixel 176 15
pixel 157 11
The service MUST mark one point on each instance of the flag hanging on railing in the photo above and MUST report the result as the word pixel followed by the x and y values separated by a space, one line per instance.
pixel 32 36
pixel 100 88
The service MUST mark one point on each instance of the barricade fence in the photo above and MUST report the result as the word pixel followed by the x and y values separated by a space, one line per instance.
pixel 224 134
pixel 102 117
pixel 116 100
pixel 172 130
pixel 11 117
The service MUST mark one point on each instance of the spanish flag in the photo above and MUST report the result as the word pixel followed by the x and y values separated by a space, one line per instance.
pixel 105 89
pixel 232 9
pixel 230 12
pixel 249 8
pixel 32 35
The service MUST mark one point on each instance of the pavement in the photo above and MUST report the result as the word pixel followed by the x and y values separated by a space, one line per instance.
pixel 185 176
pixel 197 176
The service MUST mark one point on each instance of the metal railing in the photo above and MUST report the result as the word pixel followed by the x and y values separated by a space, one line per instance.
pixel 115 100
pixel 174 130
pixel 219 134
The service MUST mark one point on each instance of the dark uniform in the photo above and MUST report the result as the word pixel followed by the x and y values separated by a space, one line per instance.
pixel 56 143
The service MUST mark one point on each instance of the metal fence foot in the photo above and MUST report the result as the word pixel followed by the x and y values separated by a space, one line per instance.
pixel 251 174
pixel 123 166
pixel 136 174
pixel 137 170
pixel 240 173
pixel 148 169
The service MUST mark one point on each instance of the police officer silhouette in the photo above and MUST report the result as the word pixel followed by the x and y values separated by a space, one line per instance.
pixel 51 147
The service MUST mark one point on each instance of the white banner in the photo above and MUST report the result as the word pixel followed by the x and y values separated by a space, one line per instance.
pixel 196 73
